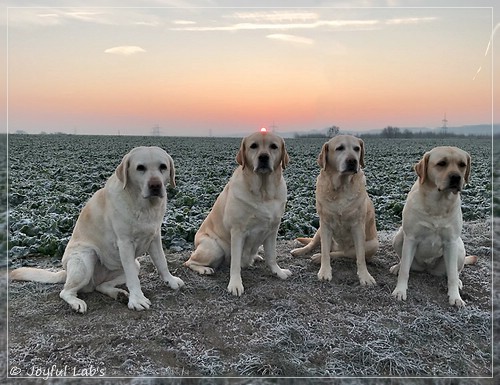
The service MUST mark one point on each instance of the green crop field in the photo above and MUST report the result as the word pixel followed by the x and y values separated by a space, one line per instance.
pixel 52 176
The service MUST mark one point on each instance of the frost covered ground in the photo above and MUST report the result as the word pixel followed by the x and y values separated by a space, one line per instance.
pixel 298 327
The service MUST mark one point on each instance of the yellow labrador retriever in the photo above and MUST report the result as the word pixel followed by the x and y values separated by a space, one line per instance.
pixel 247 213
pixel 119 223
pixel 429 239
pixel 347 217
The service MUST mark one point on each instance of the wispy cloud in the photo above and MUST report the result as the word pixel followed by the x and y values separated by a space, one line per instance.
pixel 89 16
pixel 153 23
pixel 277 16
pixel 125 50
pixel 290 38
pixel 410 20
pixel 27 17
pixel 184 22
pixel 339 24
pixel 495 29
pixel 297 20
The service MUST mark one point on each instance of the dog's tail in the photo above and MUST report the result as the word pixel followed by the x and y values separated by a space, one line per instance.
pixel 470 259
pixel 38 275
pixel 310 244
pixel 304 241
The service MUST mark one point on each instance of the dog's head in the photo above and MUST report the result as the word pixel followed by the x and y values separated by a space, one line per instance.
pixel 264 152
pixel 148 170
pixel 446 168
pixel 344 154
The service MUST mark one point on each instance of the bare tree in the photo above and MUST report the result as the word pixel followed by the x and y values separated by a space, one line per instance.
pixel 333 131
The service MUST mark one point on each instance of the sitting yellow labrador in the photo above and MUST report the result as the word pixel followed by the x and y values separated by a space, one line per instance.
pixel 346 214
pixel 119 223
pixel 247 213
pixel 429 239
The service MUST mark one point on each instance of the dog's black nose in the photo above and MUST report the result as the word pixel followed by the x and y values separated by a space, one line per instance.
pixel 263 158
pixel 455 180
pixel 351 164
pixel 155 187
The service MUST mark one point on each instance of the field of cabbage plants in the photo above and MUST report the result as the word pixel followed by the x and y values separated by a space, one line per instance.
pixel 52 176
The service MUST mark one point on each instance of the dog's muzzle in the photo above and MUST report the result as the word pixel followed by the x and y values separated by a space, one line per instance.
pixel 155 187
pixel 351 166
pixel 455 183
pixel 263 165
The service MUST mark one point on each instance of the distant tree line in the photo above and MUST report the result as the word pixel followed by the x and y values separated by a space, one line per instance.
pixel 390 132
pixel 395 132
pixel 330 132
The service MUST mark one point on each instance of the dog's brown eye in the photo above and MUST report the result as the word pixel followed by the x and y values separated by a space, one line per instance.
pixel 274 146
pixel 356 148
pixel 462 165
pixel 441 164
pixel 141 167
pixel 163 167
pixel 340 148
pixel 254 145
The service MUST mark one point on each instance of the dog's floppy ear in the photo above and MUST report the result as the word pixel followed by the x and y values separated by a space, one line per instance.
pixel 467 170
pixel 285 159
pixel 421 167
pixel 362 153
pixel 323 157
pixel 240 157
pixel 172 171
pixel 122 170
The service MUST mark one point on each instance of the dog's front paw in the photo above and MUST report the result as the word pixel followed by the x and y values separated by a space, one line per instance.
pixel 235 286
pixel 283 273
pixel 325 273
pixel 365 279
pixel 175 282
pixel 78 305
pixel 457 301
pixel 138 302
pixel 399 294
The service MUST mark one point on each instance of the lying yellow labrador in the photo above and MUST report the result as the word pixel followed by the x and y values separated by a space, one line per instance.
pixel 247 213
pixel 119 223
pixel 346 214
pixel 429 239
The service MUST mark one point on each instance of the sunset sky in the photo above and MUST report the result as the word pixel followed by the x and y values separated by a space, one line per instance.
pixel 207 67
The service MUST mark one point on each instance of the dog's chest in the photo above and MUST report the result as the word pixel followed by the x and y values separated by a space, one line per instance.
pixel 266 213
pixel 342 208
pixel 254 219
pixel 141 229
pixel 425 223
pixel 143 237
pixel 436 230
